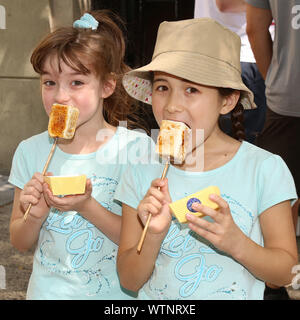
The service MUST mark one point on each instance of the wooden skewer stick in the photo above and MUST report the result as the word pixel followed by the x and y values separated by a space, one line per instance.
pixel 140 244
pixel 43 173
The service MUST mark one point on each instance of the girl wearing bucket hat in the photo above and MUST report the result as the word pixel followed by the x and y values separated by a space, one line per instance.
pixel 195 76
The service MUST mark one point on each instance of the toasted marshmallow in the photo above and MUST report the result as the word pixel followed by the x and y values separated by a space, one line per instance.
pixel 62 121
pixel 172 140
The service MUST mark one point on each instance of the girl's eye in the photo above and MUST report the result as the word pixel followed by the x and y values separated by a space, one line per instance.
pixel 49 83
pixel 191 90
pixel 161 88
pixel 77 83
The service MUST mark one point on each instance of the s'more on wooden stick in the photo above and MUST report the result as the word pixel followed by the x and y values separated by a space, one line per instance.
pixel 171 145
pixel 62 124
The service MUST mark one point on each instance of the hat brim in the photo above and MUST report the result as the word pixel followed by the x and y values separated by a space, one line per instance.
pixel 196 68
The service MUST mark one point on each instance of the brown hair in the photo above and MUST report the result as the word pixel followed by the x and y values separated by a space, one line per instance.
pixel 237 115
pixel 101 52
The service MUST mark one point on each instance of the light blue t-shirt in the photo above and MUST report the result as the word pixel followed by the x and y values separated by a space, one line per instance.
pixel 188 266
pixel 73 259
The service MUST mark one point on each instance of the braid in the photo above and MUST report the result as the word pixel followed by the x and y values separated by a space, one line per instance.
pixel 237 115
pixel 237 119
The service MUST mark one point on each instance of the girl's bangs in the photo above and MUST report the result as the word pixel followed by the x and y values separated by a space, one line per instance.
pixel 73 58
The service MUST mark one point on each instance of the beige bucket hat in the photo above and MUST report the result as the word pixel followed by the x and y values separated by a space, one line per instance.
pixel 198 50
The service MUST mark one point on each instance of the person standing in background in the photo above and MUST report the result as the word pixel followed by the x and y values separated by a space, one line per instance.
pixel 232 14
pixel 279 65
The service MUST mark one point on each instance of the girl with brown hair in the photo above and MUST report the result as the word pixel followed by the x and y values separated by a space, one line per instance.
pixel 77 235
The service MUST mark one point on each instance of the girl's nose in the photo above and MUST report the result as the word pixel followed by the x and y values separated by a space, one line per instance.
pixel 172 108
pixel 62 96
pixel 174 103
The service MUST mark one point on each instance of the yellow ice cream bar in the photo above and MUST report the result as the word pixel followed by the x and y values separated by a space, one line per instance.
pixel 64 185
pixel 183 206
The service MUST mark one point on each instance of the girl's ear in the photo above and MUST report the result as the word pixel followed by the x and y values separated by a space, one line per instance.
pixel 230 101
pixel 109 86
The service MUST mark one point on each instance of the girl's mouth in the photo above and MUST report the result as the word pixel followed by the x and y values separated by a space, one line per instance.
pixel 181 122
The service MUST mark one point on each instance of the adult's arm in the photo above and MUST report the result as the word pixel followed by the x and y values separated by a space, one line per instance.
pixel 258 23
pixel 231 6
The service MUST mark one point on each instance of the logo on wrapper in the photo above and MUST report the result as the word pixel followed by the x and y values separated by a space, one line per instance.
pixel 190 203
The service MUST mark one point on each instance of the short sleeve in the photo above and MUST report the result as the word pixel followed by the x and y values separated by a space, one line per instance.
pixel 263 4
pixel 136 178
pixel 128 190
pixel 276 183
pixel 20 173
